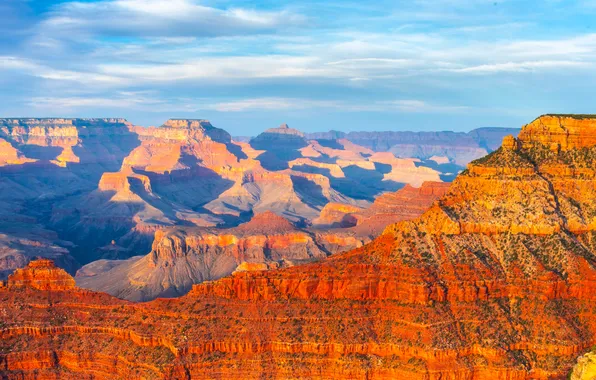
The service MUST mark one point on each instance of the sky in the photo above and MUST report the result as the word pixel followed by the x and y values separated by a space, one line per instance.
pixel 422 65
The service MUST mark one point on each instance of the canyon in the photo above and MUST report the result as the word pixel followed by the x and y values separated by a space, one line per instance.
pixel 183 256
pixel 104 192
pixel 495 280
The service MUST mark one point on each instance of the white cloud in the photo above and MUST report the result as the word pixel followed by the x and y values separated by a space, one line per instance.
pixel 32 68
pixel 257 104
pixel 419 106
pixel 403 105
pixel 141 100
pixel 224 68
pixel 185 49
pixel 150 102
pixel 173 18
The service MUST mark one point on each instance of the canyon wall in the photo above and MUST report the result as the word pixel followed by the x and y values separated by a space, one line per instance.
pixel 496 280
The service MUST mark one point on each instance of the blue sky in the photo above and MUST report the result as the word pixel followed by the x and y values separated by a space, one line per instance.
pixel 344 65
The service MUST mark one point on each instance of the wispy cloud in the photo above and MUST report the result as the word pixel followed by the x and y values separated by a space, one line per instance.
pixel 142 101
pixel 173 18
pixel 401 105
pixel 264 104
pixel 149 102
pixel 521 67
pixel 30 67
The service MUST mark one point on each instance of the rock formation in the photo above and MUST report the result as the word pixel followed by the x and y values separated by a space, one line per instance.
pixel 494 281
pixel 404 204
pixel 79 190
pixel 181 257
pixel 9 155
pixel 41 275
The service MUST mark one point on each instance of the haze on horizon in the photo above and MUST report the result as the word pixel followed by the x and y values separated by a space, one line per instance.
pixel 343 65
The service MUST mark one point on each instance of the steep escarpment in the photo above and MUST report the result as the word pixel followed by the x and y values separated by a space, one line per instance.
pixel 44 161
pixel 406 203
pixel 496 280
pixel 183 257
pixel 190 173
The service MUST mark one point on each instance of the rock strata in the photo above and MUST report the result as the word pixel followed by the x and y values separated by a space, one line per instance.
pixel 41 275
pixel 495 281
pixel 181 257
pixel 89 189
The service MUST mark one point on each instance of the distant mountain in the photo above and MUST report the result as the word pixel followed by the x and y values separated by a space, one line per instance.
pixel 458 147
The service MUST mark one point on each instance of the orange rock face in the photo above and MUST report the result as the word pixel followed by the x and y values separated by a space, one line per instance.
pixel 406 203
pixel 337 214
pixel 566 131
pixel 79 184
pixel 41 275
pixel 10 155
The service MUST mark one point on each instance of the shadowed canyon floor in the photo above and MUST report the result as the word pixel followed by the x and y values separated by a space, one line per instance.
pixel 496 280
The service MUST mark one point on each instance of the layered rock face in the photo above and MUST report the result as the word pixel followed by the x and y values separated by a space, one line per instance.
pixel 42 162
pixel 182 257
pixel 404 204
pixel 9 155
pixel 41 275
pixel 494 281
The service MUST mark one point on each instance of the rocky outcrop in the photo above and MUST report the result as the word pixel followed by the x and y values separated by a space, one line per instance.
pixel 565 132
pixel 9 155
pixel 60 159
pixel 407 203
pixel 337 215
pixel 41 275
pixel 493 281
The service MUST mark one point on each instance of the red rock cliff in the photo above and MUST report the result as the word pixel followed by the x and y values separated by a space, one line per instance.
pixel 41 275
